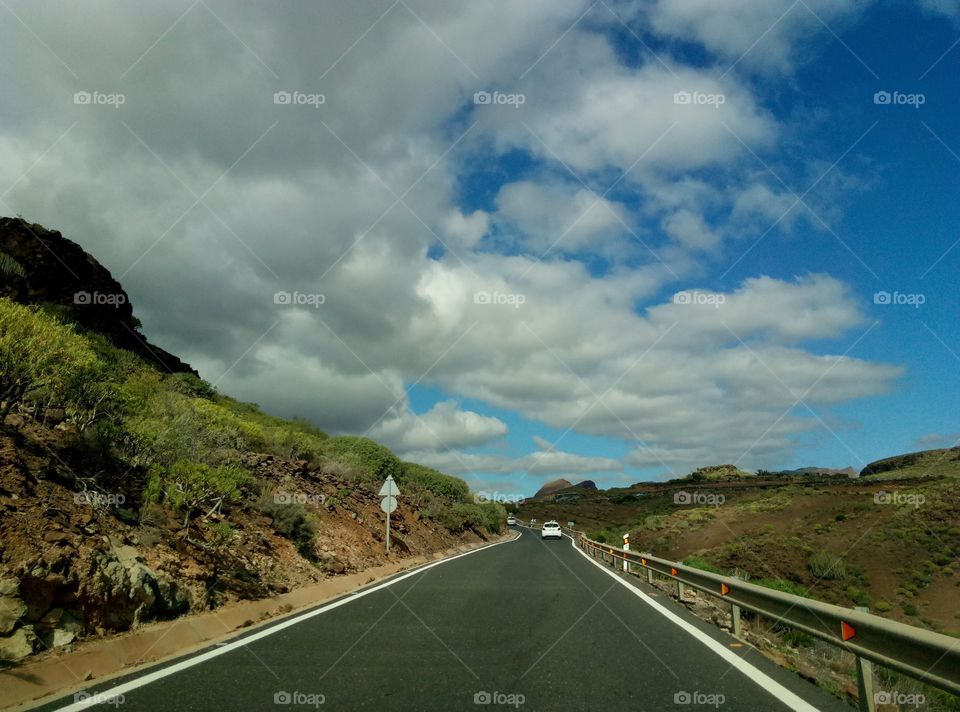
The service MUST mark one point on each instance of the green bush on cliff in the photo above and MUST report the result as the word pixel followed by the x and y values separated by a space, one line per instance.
pixel 415 480
pixel 193 488
pixel 42 361
pixel 373 462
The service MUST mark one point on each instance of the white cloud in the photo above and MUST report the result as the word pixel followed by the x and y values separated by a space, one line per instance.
pixel 690 230
pixel 443 426
pixel 757 33
pixel 562 217
pixel 307 200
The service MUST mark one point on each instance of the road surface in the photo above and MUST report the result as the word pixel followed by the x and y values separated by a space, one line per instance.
pixel 525 625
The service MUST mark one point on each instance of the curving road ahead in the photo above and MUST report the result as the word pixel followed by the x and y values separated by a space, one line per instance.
pixel 525 624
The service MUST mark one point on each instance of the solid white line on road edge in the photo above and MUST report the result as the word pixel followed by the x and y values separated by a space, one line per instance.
pixel 790 699
pixel 99 698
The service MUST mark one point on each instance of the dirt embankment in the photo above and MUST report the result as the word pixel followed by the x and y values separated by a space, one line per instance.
pixel 81 558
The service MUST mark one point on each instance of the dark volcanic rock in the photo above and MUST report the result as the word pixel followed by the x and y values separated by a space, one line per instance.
pixel 551 487
pixel 58 271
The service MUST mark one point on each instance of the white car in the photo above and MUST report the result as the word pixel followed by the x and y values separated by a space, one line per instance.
pixel 511 521
pixel 551 530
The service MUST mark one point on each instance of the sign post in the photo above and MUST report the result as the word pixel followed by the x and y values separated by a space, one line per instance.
pixel 389 492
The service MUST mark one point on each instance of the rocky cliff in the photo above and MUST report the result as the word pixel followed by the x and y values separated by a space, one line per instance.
pixel 57 271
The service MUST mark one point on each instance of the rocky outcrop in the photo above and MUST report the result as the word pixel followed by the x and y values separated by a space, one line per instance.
pixel 58 271
pixel 122 591
pixel 913 458
pixel 551 487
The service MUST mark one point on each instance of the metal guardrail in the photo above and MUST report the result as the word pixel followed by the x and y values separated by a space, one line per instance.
pixel 924 655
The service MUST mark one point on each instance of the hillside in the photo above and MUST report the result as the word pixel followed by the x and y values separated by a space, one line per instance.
pixel 889 540
pixel 129 493
pixel 943 462
pixel 551 488
pixel 56 272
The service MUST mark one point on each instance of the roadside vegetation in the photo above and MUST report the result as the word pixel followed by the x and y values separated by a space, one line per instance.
pixel 181 444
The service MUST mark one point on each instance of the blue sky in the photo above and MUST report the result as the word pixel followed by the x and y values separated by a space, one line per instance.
pixel 898 217
pixel 594 279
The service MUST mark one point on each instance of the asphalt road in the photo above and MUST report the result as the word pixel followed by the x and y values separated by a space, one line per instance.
pixel 526 625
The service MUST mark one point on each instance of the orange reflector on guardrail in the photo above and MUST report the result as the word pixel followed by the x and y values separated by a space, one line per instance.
pixel 724 589
pixel 643 562
pixel 674 571
pixel 847 631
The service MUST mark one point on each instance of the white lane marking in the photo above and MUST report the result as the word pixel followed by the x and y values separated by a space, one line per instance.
pixel 770 685
pixel 227 647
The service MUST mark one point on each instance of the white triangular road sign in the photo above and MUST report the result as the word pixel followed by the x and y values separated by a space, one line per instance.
pixel 389 488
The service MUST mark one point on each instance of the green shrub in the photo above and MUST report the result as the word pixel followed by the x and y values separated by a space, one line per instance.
pixel 191 386
pixel 372 461
pixel 231 430
pixel 293 521
pixel 798 639
pixel 825 565
pixel 698 562
pixel 489 516
pixel 416 479
pixel 42 361
pixel 222 532
pixel 882 607
pixel 858 596
pixel 440 512
pixel 192 487
pixel 782 585
pixel 656 522
pixel 293 443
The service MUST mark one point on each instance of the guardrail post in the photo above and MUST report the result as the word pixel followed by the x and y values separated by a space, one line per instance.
pixel 626 548
pixel 865 679
pixel 649 576
pixel 735 622
pixel 680 590
pixel 735 617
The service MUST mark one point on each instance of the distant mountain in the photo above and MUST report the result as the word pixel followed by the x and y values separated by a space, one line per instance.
pixel 713 473
pixel 552 487
pixel 818 471
pixel 944 461
pixel 57 272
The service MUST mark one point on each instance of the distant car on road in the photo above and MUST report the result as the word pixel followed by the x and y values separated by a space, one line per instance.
pixel 511 521
pixel 551 530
